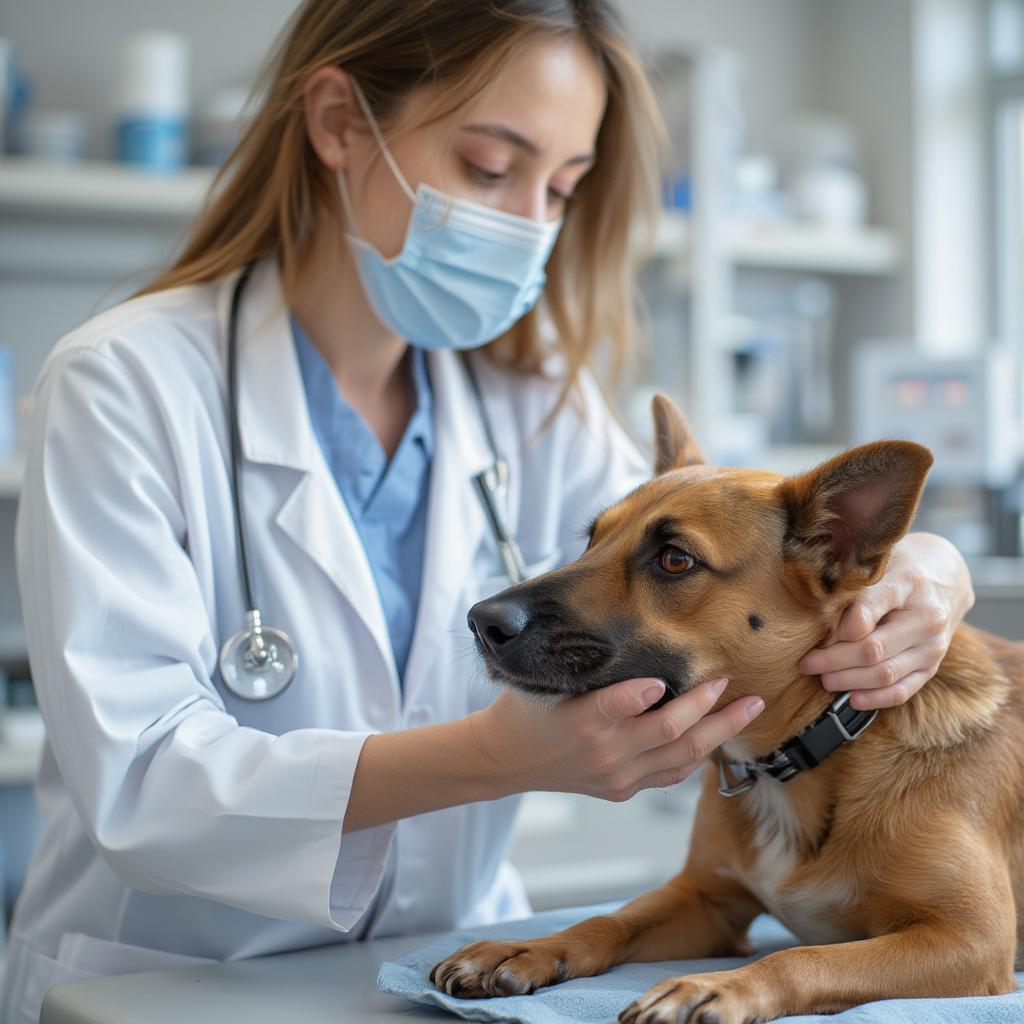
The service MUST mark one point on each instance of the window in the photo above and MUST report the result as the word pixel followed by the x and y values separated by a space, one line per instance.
pixel 1006 91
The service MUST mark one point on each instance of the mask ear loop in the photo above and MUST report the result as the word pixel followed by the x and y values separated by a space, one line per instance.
pixel 400 177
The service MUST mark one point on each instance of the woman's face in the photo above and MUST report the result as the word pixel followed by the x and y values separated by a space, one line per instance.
pixel 521 145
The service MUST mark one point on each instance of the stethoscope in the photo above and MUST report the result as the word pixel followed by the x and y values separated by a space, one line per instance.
pixel 259 661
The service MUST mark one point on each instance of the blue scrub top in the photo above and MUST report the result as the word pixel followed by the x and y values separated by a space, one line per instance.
pixel 387 501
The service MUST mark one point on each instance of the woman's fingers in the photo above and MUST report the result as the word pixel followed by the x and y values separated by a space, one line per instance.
pixel 890 696
pixel 672 720
pixel 682 732
pixel 700 739
pixel 926 657
pixel 612 704
pixel 666 778
pixel 899 631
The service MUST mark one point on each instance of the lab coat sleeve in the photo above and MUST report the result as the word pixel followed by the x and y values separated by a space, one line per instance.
pixel 175 794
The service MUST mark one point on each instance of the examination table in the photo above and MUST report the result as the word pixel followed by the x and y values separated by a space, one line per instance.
pixel 338 984
pixel 332 984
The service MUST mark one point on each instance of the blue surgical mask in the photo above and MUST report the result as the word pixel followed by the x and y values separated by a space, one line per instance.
pixel 466 272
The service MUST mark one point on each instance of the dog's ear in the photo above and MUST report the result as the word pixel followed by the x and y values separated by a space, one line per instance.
pixel 674 445
pixel 844 516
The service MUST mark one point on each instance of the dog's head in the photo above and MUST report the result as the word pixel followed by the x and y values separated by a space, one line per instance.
pixel 706 571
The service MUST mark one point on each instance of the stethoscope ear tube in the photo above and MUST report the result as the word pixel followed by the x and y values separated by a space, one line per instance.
pixel 235 440
pixel 488 487
pixel 494 481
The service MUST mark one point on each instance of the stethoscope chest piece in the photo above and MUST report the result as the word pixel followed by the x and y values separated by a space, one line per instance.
pixel 258 662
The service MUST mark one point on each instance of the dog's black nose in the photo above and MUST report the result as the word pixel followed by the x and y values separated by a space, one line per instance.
pixel 497 621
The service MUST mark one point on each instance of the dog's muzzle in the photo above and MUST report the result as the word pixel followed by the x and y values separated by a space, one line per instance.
pixel 532 641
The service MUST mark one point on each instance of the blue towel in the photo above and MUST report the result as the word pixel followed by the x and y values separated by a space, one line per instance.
pixel 599 1000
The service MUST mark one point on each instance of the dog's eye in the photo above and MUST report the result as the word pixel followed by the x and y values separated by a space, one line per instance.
pixel 676 561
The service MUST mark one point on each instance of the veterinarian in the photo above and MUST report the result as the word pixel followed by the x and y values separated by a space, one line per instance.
pixel 415 178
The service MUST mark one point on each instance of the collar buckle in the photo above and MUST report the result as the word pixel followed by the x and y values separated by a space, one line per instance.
pixel 783 769
pixel 729 785
pixel 856 727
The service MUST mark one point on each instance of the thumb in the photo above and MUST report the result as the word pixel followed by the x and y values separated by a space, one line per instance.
pixel 627 699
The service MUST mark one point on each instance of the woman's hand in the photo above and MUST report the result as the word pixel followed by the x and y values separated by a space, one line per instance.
pixel 601 743
pixel 893 637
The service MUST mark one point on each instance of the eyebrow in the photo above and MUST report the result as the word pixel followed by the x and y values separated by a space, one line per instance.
pixel 666 530
pixel 506 134
pixel 588 531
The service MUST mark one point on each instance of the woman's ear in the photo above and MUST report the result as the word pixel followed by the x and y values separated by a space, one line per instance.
pixel 331 110
pixel 674 443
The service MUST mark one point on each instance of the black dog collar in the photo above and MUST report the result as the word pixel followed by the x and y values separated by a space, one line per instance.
pixel 838 724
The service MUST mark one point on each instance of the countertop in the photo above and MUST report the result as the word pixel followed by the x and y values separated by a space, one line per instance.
pixel 324 985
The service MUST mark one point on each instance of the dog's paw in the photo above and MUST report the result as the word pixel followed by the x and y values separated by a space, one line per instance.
pixel 499 969
pixel 718 998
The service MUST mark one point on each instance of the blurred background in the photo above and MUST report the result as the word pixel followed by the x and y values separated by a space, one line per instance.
pixel 840 259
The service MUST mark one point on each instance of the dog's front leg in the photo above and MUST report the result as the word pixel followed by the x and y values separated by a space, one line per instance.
pixel 927 959
pixel 932 934
pixel 692 915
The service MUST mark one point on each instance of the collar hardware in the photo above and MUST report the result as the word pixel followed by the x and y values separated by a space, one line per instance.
pixel 839 723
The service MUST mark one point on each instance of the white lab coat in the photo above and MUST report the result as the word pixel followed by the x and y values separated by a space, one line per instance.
pixel 183 823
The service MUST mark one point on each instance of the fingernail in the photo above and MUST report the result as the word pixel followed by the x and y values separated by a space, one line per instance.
pixel 652 693
pixel 754 708
pixel 718 686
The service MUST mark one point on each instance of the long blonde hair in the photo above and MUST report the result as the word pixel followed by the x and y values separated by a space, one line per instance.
pixel 268 195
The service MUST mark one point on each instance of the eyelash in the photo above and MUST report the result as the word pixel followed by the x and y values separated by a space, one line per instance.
pixel 489 178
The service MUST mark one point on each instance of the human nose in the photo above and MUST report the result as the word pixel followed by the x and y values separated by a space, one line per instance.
pixel 532 202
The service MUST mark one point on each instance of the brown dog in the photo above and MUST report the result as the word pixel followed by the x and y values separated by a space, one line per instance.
pixel 899 858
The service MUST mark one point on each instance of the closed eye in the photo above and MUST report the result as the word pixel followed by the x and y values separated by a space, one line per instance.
pixel 485 177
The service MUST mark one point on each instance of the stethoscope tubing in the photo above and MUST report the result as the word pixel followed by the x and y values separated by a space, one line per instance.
pixel 489 483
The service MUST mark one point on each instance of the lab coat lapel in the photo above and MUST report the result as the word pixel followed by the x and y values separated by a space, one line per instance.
pixel 275 432
pixel 455 517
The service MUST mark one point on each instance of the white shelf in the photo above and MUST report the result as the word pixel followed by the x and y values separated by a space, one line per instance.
pixel 19 765
pixel 100 188
pixel 104 188
pixel 22 737
pixel 13 646
pixel 790 246
pixel 11 472
pixel 95 188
